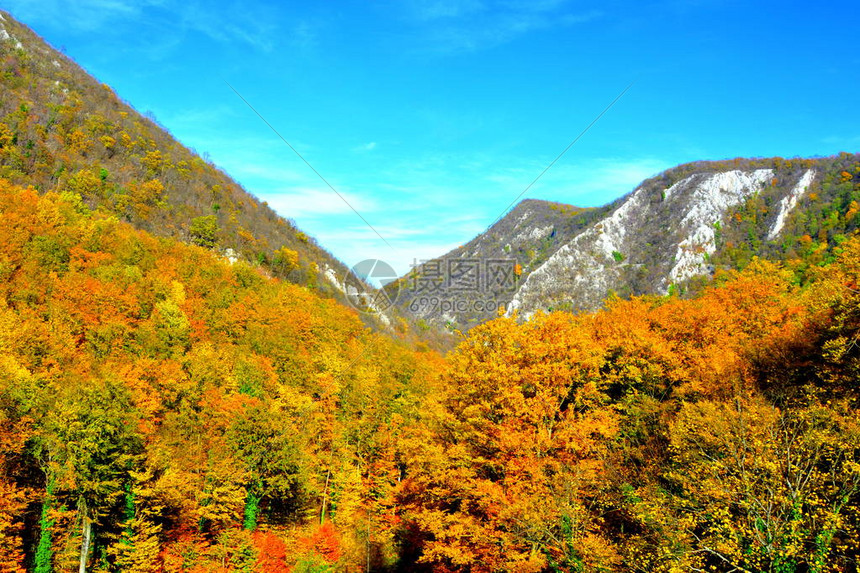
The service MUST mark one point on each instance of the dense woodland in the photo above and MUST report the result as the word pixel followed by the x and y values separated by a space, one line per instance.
pixel 168 411
pixel 172 404
pixel 824 218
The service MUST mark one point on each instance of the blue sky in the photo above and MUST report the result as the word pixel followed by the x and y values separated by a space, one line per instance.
pixel 431 116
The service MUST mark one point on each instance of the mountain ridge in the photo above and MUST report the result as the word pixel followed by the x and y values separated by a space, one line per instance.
pixel 670 233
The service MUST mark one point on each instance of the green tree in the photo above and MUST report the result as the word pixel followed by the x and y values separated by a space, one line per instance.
pixel 204 230
pixel 269 457
pixel 87 444
pixel 43 548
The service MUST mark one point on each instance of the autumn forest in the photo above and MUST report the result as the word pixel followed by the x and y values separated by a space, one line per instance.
pixel 165 407
pixel 173 412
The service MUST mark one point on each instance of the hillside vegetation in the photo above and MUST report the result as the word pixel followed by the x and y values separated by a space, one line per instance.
pixel 825 216
pixel 163 410
pixel 160 404
pixel 61 130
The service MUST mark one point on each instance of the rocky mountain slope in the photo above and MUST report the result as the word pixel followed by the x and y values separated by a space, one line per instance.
pixel 469 284
pixel 671 233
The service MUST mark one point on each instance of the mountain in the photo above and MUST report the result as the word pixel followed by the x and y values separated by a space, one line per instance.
pixel 490 265
pixel 175 407
pixel 671 233
pixel 61 130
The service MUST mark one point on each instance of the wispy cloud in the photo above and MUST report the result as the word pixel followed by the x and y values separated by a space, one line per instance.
pixel 201 117
pixel 429 10
pixel 244 26
pixel 254 160
pixel 847 142
pixel 408 235
pixel 303 203
pixel 82 15
pixel 586 184
pixel 370 146
pixel 304 36
pixel 236 25
pixel 452 26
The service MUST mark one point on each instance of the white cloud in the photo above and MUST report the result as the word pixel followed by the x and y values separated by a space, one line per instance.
pixel 272 172
pixel 83 15
pixel 588 183
pixel 358 243
pixel 232 24
pixel 428 10
pixel 845 141
pixel 370 146
pixel 309 202
pixel 305 36
pixel 452 26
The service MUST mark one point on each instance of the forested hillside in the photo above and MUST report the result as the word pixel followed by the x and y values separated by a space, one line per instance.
pixel 159 404
pixel 163 410
pixel 61 130
pixel 805 227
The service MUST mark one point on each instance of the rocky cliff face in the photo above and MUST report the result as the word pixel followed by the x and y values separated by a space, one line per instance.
pixel 671 231
pixel 655 238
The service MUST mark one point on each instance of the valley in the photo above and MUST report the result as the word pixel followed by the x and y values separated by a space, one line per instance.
pixel 664 383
